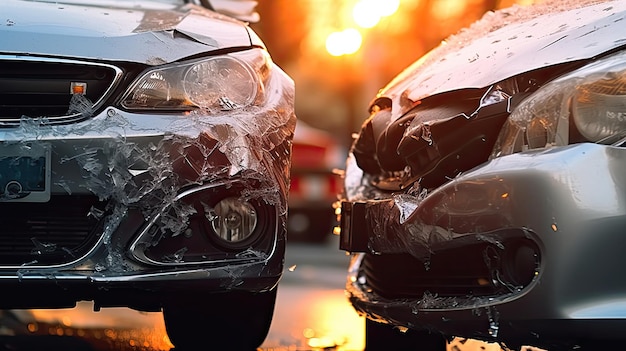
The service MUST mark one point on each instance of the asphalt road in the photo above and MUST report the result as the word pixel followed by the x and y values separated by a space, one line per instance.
pixel 313 313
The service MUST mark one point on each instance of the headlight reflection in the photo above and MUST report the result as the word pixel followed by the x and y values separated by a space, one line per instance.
pixel 215 83
pixel 586 105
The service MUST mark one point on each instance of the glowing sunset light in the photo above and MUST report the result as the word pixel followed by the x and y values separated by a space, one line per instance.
pixel 345 42
pixel 386 7
pixel 366 14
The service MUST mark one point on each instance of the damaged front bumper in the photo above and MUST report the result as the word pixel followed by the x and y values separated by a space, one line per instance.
pixel 526 248
pixel 132 209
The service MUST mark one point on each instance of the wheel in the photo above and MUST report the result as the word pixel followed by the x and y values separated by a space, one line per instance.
pixel 227 321
pixel 381 337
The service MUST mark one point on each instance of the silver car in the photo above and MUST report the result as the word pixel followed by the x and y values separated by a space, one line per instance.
pixel 485 195
pixel 144 162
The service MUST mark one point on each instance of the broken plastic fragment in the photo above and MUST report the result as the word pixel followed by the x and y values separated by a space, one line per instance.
pixel 429 300
pixel 176 257
pixel 494 95
pixel 68 251
pixel 209 213
pixel 33 128
pixel 80 104
pixel 407 204
pixel 177 219
pixel 42 248
pixel 490 239
pixel 249 253
pixel 426 134
pixel 29 263
pixel 115 262
pixel 136 173
pixel 234 273
pixel 65 185
pixel 95 213
pixel 493 316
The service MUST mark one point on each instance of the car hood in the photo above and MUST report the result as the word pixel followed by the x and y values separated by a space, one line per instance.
pixel 147 32
pixel 510 42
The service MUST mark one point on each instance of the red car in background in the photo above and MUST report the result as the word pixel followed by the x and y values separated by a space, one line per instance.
pixel 315 183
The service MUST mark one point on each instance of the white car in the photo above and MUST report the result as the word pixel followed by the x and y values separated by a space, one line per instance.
pixel 144 162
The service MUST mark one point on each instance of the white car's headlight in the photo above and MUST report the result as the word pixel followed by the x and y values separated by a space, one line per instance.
pixel 224 82
pixel 586 105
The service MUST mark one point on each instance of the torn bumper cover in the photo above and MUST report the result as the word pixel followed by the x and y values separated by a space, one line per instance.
pixel 517 245
pixel 145 152
pixel 141 205
pixel 130 205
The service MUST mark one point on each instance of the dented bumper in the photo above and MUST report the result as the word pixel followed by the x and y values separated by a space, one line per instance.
pixel 130 204
pixel 522 245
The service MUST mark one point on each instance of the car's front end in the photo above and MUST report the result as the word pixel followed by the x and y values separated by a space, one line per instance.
pixel 486 200
pixel 144 157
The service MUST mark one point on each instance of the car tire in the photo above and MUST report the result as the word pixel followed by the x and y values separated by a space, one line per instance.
pixel 227 321
pixel 379 337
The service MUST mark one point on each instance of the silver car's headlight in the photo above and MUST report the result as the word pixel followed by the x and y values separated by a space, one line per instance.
pixel 224 82
pixel 586 105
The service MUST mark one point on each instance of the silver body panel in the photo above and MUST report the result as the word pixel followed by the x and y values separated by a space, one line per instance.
pixel 503 45
pixel 118 31
pixel 559 210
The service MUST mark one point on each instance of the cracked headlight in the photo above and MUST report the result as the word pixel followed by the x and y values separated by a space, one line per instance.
pixel 586 105
pixel 215 83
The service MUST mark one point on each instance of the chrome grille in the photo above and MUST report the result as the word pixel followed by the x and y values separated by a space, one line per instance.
pixel 40 88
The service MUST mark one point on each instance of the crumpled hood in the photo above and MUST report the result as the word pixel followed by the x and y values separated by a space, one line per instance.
pixel 510 42
pixel 124 30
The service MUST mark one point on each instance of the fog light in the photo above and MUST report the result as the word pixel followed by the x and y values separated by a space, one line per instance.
pixel 233 220
pixel 522 260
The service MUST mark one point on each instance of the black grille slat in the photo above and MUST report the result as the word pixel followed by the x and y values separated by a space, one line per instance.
pixel 62 222
pixel 456 273
pixel 41 88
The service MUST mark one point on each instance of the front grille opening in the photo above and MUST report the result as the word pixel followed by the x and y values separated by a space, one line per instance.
pixel 54 232
pixel 42 88
pixel 478 270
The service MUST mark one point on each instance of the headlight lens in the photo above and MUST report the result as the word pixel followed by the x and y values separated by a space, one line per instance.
pixel 590 102
pixel 599 107
pixel 216 83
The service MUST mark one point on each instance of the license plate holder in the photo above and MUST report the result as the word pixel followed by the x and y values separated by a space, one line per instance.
pixel 25 172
